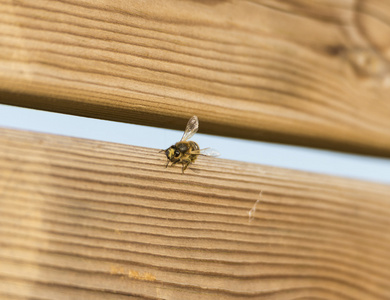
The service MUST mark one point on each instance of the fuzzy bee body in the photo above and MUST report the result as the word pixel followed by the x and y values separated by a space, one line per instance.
pixel 182 152
pixel 186 152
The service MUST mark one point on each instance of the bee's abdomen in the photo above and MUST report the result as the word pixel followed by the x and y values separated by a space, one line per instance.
pixel 193 145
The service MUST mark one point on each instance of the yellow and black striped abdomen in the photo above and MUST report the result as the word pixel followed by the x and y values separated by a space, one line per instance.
pixel 193 147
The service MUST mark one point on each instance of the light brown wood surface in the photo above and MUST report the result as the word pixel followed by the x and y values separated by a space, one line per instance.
pixel 312 73
pixel 82 219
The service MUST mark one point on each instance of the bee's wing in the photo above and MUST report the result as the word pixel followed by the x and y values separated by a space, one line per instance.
pixel 191 128
pixel 209 152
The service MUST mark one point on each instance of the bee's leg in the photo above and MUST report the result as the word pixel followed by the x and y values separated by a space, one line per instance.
pixel 172 163
pixel 186 163
pixel 166 166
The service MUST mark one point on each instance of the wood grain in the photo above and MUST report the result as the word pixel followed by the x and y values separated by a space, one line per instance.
pixel 313 73
pixel 82 219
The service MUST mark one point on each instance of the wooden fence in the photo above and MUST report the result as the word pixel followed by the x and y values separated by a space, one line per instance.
pixel 82 219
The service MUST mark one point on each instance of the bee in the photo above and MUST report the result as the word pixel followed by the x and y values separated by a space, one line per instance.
pixel 186 152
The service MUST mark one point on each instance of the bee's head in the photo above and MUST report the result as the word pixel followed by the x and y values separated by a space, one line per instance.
pixel 172 152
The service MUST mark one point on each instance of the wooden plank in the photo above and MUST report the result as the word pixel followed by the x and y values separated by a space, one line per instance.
pixel 83 219
pixel 313 73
